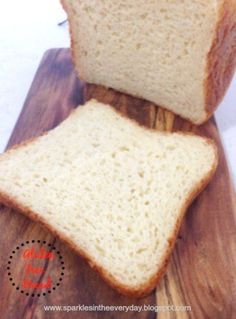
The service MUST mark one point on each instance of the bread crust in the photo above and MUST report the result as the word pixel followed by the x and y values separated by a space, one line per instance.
pixel 138 291
pixel 77 66
pixel 221 59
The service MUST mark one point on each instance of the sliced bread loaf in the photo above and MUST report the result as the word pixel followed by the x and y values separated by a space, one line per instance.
pixel 180 55
pixel 113 190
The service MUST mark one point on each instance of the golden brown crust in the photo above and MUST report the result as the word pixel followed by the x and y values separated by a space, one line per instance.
pixel 221 60
pixel 138 291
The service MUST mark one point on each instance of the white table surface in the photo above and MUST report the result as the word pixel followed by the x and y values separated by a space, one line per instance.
pixel 28 29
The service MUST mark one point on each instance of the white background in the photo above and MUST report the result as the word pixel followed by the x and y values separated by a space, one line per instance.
pixel 28 29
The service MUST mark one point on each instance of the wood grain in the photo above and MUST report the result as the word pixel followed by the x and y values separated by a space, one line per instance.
pixel 201 270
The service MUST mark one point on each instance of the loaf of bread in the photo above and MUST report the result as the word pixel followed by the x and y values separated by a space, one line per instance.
pixel 181 55
pixel 114 191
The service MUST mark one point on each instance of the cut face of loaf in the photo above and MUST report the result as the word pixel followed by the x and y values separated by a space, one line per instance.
pixel 180 55
pixel 115 191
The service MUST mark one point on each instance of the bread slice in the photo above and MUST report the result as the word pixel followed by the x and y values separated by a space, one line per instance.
pixel 113 190
pixel 180 55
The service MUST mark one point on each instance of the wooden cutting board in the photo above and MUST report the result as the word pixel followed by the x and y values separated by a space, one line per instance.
pixel 201 272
